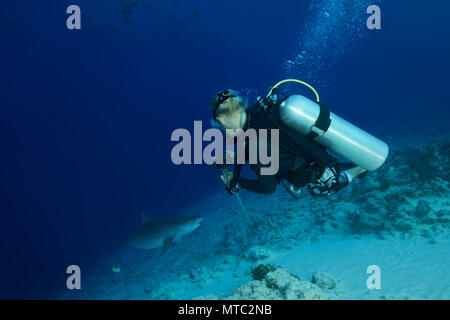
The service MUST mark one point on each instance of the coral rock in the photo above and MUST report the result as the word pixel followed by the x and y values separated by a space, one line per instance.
pixel 323 280
pixel 422 209
pixel 257 253
pixel 276 283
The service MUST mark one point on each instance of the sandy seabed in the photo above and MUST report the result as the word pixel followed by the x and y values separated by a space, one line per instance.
pixel 396 218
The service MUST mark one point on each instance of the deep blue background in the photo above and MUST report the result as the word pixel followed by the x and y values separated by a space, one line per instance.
pixel 86 116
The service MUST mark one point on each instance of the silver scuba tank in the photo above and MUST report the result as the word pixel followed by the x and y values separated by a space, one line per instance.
pixel 300 114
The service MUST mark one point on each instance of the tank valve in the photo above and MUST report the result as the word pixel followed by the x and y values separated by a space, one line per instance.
pixel 273 98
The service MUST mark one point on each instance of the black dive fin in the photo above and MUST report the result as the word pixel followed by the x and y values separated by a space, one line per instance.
pixel 294 195
pixel 167 244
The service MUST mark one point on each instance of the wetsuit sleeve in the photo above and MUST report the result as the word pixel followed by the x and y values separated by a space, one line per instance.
pixel 262 185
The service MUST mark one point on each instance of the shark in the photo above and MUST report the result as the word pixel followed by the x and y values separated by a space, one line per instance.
pixel 162 232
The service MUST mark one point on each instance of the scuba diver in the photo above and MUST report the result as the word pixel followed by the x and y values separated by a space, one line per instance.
pixel 307 129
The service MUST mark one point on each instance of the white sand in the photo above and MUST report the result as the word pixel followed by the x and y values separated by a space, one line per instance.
pixel 303 237
pixel 414 269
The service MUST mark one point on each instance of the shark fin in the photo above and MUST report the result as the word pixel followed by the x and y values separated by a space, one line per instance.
pixel 167 243
pixel 145 217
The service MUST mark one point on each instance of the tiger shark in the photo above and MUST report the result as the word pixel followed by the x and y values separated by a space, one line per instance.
pixel 162 232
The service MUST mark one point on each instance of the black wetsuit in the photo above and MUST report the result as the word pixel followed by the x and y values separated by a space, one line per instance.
pixel 297 155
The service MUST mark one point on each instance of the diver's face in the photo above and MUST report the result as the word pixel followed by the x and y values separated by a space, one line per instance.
pixel 232 122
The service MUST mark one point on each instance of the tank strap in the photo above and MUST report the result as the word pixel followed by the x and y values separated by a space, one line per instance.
pixel 316 152
pixel 322 123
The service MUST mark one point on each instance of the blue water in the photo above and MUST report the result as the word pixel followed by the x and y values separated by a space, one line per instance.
pixel 86 116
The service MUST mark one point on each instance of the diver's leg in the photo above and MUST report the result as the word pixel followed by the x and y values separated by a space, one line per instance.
pixel 289 177
pixel 292 186
pixel 347 176
pixel 354 172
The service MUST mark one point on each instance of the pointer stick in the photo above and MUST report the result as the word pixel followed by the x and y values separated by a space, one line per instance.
pixel 243 210
pixel 238 198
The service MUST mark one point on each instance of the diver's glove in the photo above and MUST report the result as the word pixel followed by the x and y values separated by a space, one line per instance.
pixel 232 187
pixel 230 182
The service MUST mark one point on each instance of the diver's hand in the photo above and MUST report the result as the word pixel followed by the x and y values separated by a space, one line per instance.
pixel 231 184
pixel 232 187
pixel 226 177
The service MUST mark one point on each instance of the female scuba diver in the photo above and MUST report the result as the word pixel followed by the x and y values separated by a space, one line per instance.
pixel 302 160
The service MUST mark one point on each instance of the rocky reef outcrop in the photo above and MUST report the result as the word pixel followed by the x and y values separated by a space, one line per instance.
pixel 408 196
pixel 276 283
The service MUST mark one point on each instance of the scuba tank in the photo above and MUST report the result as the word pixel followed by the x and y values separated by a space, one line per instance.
pixel 315 121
